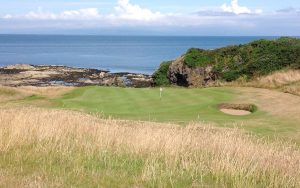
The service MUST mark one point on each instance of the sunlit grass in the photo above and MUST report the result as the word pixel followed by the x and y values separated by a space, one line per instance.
pixel 43 148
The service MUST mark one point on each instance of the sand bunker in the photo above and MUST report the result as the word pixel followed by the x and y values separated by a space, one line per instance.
pixel 237 109
pixel 235 112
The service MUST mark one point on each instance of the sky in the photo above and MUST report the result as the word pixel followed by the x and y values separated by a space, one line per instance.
pixel 152 17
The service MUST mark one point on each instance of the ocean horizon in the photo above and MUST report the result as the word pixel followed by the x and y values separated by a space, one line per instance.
pixel 135 54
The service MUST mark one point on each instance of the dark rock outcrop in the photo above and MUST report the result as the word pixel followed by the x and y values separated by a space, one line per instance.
pixel 45 75
pixel 182 75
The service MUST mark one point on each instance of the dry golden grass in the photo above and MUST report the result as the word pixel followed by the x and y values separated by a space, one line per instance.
pixel 280 78
pixel 12 96
pixel 61 148
pixel 50 92
pixel 7 93
pixel 285 80
pixel 292 88
pixel 14 93
pixel 279 104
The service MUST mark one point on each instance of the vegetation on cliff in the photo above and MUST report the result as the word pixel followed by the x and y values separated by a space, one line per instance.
pixel 160 76
pixel 247 61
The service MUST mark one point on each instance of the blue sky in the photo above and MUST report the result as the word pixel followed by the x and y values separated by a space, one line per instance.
pixel 155 17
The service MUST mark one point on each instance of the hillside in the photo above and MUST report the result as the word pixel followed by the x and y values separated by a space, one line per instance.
pixel 198 67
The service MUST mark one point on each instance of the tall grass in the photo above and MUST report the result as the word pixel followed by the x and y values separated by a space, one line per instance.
pixel 7 93
pixel 285 80
pixel 14 93
pixel 53 148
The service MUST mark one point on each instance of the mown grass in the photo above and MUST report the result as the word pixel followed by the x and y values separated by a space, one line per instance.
pixel 176 104
pixel 57 148
pixel 179 105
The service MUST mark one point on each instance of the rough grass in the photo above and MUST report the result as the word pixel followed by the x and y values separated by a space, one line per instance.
pixel 17 96
pixel 57 148
pixel 279 78
pixel 15 93
pixel 50 92
pixel 7 93
pixel 293 88
pixel 285 80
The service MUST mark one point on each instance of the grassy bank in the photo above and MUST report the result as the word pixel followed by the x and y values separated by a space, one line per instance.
pixel 287 81
pixel 56 148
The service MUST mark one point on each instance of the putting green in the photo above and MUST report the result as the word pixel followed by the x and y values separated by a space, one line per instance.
pixel 176 104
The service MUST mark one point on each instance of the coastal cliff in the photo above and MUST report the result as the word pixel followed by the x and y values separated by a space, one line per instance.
pixel 198 67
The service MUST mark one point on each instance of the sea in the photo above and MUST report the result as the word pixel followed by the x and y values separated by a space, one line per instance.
pixel 134 54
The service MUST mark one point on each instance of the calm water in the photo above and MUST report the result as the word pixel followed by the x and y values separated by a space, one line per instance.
pixel 114 53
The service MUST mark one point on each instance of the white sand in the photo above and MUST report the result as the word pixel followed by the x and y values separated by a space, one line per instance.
pixel 235 112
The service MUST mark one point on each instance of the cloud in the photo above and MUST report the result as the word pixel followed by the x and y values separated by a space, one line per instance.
pixel 7 16
pixel 214 13
pixel 132 17
pixel 40 14
pixel 126 10
pixel 90 13
pixel 289 10
pixel 235 8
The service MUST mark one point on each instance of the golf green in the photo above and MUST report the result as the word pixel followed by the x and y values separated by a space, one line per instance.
pixel 175 105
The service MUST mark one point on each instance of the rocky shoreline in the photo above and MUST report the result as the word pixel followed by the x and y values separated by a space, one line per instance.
pixel 53 75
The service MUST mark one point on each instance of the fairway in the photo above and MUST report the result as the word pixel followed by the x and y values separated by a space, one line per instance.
pixel 176 104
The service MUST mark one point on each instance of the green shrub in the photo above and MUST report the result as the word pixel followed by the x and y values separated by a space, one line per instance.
pixel 257 58
pixel 231 75
pixel 160 76
pixel 197 58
